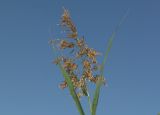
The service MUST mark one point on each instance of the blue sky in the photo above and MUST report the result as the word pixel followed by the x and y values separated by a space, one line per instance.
pixel 29 81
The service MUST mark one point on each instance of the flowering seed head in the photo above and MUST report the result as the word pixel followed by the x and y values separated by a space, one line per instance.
pixel 83 58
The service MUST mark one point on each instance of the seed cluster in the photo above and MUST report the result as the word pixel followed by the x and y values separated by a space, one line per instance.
pixel 81 63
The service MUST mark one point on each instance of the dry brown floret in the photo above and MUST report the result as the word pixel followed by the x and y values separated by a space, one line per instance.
pixel 86 64
pixel 68 64
pixel 64 44
pixel 63 85
pixel 80 42
pixel 88 74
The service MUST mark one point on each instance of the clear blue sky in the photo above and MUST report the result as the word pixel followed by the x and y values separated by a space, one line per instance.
pixel 29 81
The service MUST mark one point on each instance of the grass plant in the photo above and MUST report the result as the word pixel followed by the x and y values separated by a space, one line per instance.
pixel 78 64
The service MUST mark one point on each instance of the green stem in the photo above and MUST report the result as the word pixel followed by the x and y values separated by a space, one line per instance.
pixel 89 100
pixel 72 90
pixel 96 97
pixel 71 87
pixel 90 105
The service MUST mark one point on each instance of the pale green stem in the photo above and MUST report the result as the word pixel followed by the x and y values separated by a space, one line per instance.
pixel 90 104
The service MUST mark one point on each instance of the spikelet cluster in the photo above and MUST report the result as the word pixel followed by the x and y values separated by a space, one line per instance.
pixel 80 63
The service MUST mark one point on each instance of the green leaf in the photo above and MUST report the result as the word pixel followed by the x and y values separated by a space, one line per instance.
pixel 72 90
pixel 96 97
pixel 100 81
pixel 107 52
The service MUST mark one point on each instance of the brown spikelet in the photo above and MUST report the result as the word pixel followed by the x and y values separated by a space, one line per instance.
pixel 69 25
pixel 80 42
pixel 64 44
pixel 86 64
pixel 72 35
pixel 63 85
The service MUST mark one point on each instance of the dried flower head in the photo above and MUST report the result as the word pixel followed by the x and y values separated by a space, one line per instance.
pixel 83 59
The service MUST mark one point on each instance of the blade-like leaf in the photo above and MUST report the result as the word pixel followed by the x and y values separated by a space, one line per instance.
pixel 107 52
pixel 72 90
pixel 100 81
pixel 96 97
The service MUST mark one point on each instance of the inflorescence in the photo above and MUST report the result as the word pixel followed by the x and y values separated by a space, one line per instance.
pixel 80 62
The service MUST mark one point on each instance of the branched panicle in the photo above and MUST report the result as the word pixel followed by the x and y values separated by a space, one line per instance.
pixel 82 60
